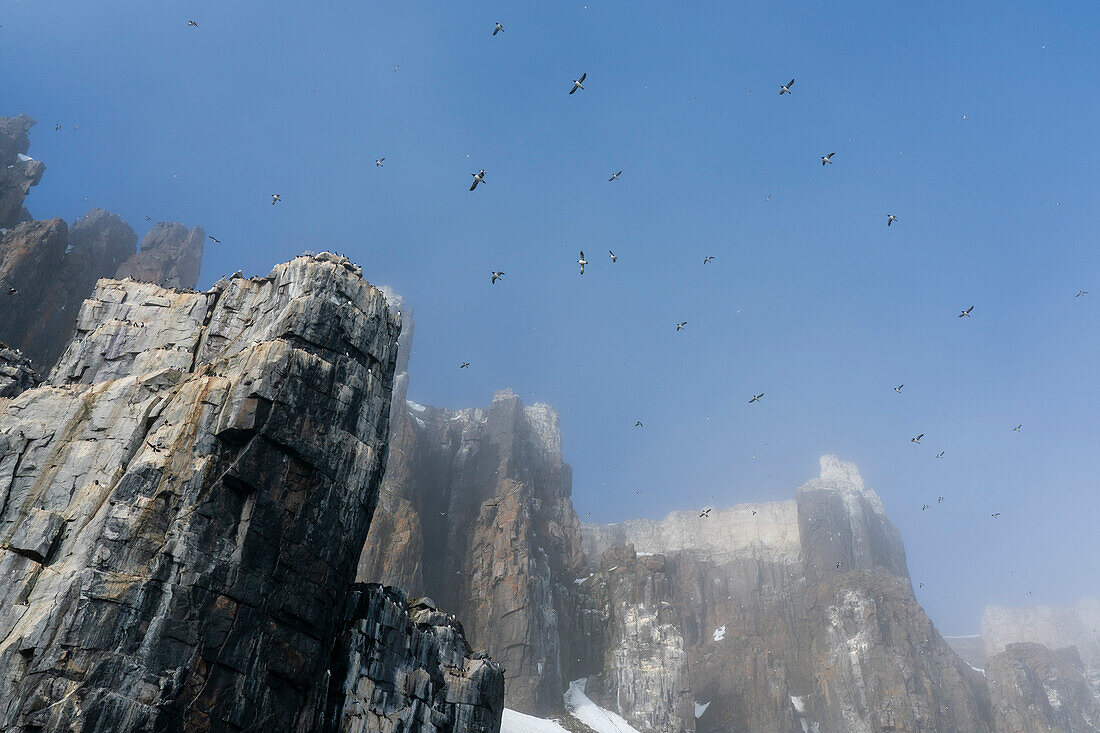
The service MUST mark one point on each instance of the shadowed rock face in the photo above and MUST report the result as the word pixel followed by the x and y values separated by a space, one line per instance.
pixel 170 255
pixel 405 666
pixel 1036 689
pixel 182 504
pixel 16 374
pixel 18 172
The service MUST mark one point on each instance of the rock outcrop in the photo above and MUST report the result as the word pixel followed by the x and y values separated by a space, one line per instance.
pixel 16 374
pixel 18 171
pixel 476 513
pixel 1036 689
pixel 47 269
pixel 405 666
pixel 183 502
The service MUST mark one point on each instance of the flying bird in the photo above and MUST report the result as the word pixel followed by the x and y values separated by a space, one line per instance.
pixel 275 198
pixel 378 163
pixel 192 24
pixel 898 388
pixel 637 423
pixel 707 259
pixel 13 291
pixel 614 177
pixel 925 507
pixel 148 218
pixel 613 257
pixel 1080 293
pixel 479 177
pixel 827 159
pixel 498 29
pixel 215 240
pixel 497 276
pixel 577 83
pixel 786 88
pixel 680 325
pixel 705 513
pixel 939 500
pixel 582 261
pixel 839 564
pixel 465 365
pixel 1017 428
pixel 890 219
pixel 57 128
pixel 940 454
pixel 156 448
pixel 966 313
pixel 756 398
pixel 916 439
pixel 995 514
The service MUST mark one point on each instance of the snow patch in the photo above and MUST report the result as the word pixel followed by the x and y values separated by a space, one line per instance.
pixel 578 581
pixel 701 708
pixel 799 703
pixel 976 669
pixel 420 422
pixel 595 717
pixel 415 406
pixel 513 722
pixel 25 158
pixel 720 633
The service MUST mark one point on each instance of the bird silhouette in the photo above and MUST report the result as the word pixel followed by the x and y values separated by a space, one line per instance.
pixel 577 83
pixel 499 29
pixel 756 398
pixel 786 88
pixel 890 219
pixel 916 439
pixel 479 177
pixel 966 313
pixel 614 177
pixel 827 159
pixel 681 325
pixel 582 261
pixel 497 276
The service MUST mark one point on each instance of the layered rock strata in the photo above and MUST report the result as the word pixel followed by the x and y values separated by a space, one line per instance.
pixel 183 502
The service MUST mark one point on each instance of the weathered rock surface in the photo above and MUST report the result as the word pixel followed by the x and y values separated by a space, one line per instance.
pixel 16 374
pixel 405 666
pixel 170 255
pixel 1075 626
pixel 18 171
pixel 182 504
pixel 476 513
pixel 1036 689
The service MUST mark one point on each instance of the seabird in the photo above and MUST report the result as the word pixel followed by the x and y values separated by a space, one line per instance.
pixel 192 24
pixel 916 439
pixel 637 423
pixel 827 158
pixel 705 513
pixel 940 454
pixel 613 257
pixel 898 388
pixel 1080 293
pixel 707 259
pixel 786 88
pixel 497 276
pixel 275 198
pixel 995 514
pixel 582 261
pixel 577 83
pixel 939 500
pixel 57 128
pixel 680 325
pixel 378 163
pixel 156 448
pixel 614 177
pixel 756 398
pixel 966 312
pixel 465 365
pixel 890 219
pixel 1017 428
pixel 498 29
pixel 925 507
pixel 479 177
pixel 215 240
pixel 12 291
pixel 839 564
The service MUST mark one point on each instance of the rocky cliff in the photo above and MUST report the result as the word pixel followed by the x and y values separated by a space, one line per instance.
pixel 182 504
pixel 47 268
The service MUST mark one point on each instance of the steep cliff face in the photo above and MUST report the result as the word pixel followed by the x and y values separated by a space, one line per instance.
pixel 16 374
pixel 477 514
pixel 18 171
pixel 47 269
pixel 183 502
pixel 795 616
pixel 1036 689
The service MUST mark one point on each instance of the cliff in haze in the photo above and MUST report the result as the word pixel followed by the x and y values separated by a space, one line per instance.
pixel 48 268
pixel 182 504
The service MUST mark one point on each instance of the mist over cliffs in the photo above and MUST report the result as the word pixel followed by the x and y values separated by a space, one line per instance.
pixel 220 510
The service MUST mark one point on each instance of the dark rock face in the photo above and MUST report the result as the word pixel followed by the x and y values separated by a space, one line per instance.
pixel 16 373
pixel 405 666
pixel 476 513
pixel 18 172
pixel 170 256
pixel 30 258
pixel 1036 689
pixel 182 505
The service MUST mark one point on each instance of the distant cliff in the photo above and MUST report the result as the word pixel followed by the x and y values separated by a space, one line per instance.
pixel 48 268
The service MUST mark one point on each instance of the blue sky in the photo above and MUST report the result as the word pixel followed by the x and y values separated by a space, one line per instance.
pixel 975 123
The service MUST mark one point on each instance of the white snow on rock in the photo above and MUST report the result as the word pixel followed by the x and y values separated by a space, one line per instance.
pixel 976 669
pixel 595 717
pixel 25 158
pixel 415 406
pixel 799 703
pixel 701 708
pixel 720 633
pixel 513 722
